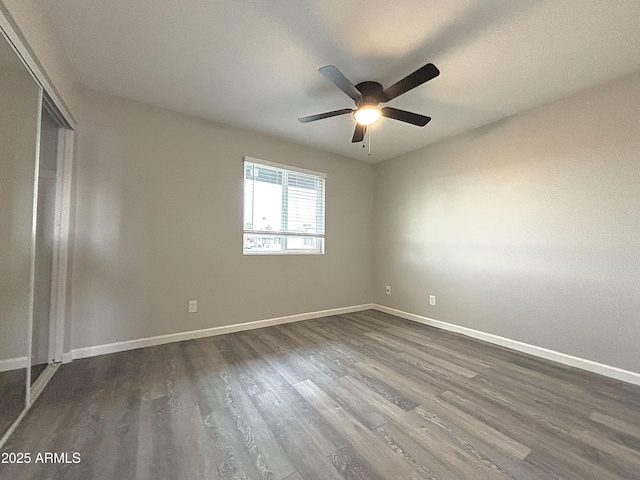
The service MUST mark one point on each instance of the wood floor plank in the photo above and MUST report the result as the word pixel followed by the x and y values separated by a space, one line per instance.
pixel 393 395
pixel 558 466
pixel 324 359
pixel 155 446
pixel 194 458
pixel 290 416
pixel 246 361
pixel 153 374
pixel 88 424
pixel 368 444
pixel 552 449
pixel 622 426
pixel 351 466
pixel 363 403
pixel 357 406
pixel 391 320
pixel 377 353
pixel 413 390
pixel 428 344
pixel 519 399
pixel 307 440
pixel 335 338
pixel 231 459
pixel 291 366
pixel 386 321
pixel 353 324
pixel 208 386
pixel 627 458
pixel 475 427
pixel 481 443
pixel 460 343
pixel 419 357
pixel 439 437
pixel 268 456
pixel 180 393
pixel 120 436
pixel 367 324
pixel 429 462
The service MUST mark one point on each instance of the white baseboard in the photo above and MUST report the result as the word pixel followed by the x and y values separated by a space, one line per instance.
pixel 209 332
pixel 13 364
pixel 67 357
pixel 563 358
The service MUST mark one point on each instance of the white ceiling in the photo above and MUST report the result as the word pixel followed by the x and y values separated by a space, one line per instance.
pixel 253 63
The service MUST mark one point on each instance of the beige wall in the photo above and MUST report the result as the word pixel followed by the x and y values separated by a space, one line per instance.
pixel 528 228
pixel 159 223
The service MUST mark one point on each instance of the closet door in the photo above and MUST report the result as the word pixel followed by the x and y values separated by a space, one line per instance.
pixel 20 103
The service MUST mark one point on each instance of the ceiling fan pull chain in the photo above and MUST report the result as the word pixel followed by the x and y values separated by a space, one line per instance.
pixel 369 141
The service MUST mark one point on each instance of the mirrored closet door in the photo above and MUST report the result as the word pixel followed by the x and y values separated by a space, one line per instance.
pixel 20 107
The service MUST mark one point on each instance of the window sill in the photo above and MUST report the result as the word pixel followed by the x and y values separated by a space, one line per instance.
pixel 290 252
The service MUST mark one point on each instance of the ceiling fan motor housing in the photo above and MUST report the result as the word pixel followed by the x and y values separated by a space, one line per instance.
pixel 371 94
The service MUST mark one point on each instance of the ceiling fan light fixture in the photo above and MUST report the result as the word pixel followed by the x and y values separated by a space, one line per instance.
pixel 367 115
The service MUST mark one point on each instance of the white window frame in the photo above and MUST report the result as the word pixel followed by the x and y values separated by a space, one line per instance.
pixel 266 233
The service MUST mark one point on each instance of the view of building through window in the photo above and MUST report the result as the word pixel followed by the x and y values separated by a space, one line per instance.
pixel 283 210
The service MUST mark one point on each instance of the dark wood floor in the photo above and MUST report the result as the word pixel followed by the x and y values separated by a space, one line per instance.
pixel 355 396
pixel 13 391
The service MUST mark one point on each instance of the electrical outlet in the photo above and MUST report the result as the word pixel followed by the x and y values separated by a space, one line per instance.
pixel 193 306
pixel 387 290
pixel 432 299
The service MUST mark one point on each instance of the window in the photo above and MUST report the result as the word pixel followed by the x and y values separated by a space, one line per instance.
pixel 283 209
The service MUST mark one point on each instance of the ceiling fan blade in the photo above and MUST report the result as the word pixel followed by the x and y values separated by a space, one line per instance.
pixel 320 116
pixel 333 74
pixel 404 116
pixel 413 80
pixel 358 134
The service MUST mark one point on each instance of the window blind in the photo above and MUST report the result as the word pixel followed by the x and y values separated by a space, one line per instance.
pixel 284 209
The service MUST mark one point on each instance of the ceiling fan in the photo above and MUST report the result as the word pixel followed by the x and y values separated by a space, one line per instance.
pixel 368 95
